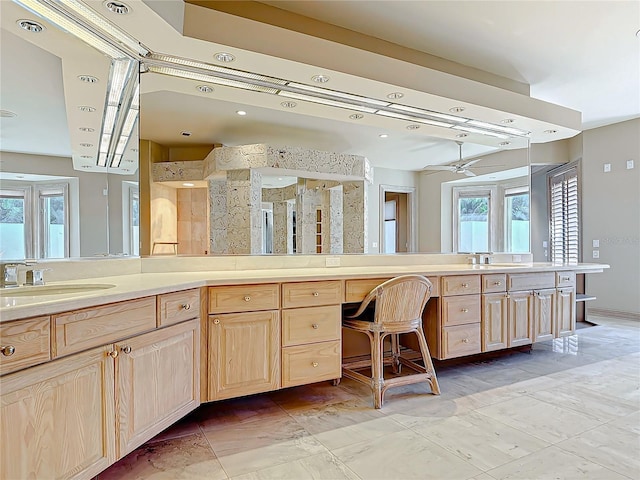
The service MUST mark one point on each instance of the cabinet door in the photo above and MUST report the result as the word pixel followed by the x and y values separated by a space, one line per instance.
pixel 244 354
pixel 544 314
pixel 566 312
pixel 520 319
pixel 158 377
pixel 57 419
pixel 494 322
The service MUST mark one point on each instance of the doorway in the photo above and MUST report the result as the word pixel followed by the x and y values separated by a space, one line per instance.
pixel 397 219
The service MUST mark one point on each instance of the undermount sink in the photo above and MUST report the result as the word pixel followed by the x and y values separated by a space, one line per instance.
pixel 37 290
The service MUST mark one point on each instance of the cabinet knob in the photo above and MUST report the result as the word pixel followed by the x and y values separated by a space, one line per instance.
pixel 186 306
pixel 497 284
pixel 465 340
pixel 126 349
pixel 315 364
pixel 315 326
pixel 8 350
pixel 565 279
pixel 465 285
pixel 113 354
pixel 247 298
pixel 465 310
pixel 216 321
pixel 315 294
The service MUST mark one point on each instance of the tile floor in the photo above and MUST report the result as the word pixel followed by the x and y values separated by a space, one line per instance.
pixel 569 409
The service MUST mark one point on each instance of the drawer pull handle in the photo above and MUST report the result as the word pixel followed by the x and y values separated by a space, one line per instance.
pixel 315 294
pixel 315 364
pixel 465 285
pixel 186 306
pixel 247 298
pixel 8 350
pixel 126 349
pixel 565 279
pixel 113 354
pixel 315 326
pixel 465 310
pixel 465 340
pixel 216 321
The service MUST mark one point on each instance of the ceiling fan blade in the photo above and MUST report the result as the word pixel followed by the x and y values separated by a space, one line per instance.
pixel 469 163
pixel 469 173
pixel 440 167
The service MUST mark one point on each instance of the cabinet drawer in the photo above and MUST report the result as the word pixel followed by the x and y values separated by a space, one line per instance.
pixel 460 310
pixel 310 294
pixel 244 298
pixel 461 340
pixel 530 281
pixel 565 279
pixel 178 306
pixel 494 283
pixel 316 362
pixel 460 285
pixel 356 290
pixel 24 343
pixel 310 325
pixel 91 327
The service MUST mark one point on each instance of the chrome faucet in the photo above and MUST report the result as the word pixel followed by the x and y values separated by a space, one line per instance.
pixel 36 276
pixel 10 274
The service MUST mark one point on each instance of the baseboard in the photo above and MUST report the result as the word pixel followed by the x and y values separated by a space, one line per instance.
pixel 604 312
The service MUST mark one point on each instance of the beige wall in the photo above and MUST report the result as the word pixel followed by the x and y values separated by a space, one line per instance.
pixel 611 214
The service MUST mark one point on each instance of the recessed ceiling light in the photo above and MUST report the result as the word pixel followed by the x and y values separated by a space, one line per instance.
pixel 241 113
pixel 185 134
pixel 413 126
pixel 507 121
pixel 188 184
pixel 395 95
pixel 383 135
pixel 7 114
pixel 551 131
pixel 279 178
pixel 638 34
pixel 504 144
pixel 224 57
pixel 30 26
pixel 86 156
pixel 133 150
pixel 462 135
pixel 86 108
pixel 87 129
pixel 87 145
pixel 289 104
pixel 88 78
pixel 117 8
pixel 320 78
pixel 204 88
pixel 86 166
pixel 356 116
pixel 456 109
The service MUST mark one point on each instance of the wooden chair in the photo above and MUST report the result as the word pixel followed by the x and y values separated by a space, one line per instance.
pixel 399 304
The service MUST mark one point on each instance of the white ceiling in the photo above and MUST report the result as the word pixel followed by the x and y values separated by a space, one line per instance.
pixel 582 55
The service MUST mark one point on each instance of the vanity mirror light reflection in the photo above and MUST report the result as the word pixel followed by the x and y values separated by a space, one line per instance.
pixel 56 200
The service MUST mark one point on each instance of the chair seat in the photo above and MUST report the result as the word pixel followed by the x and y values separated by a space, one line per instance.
pixel 398 308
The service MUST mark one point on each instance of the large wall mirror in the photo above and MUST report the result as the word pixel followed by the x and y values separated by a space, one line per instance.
pixel 58 198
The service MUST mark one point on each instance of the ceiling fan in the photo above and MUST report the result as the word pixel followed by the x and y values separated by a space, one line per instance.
pixel 460 167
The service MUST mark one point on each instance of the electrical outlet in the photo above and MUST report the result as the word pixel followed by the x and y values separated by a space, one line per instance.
pixel 629 164
pixel 374 244
pixel 332 262
pixel 516 258
pixel 596 254
pixel 596 243
pixel 607 167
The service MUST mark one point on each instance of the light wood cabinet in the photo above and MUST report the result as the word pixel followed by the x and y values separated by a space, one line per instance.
pixel 244 298
pixel 178 307
pixel 565 311
pixel 494 321
pixel 544 314
pixel 520 319
pixel 309 294
pixel 461 340
pixel 302 364
pixel 57 419
pixel 244 353
pixel 158 380
pixel 24 343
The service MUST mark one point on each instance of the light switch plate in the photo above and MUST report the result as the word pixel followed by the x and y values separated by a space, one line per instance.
pixel 607 167
pixel 596 243
pixel 596 254
pixel 332 262
pixel 630 164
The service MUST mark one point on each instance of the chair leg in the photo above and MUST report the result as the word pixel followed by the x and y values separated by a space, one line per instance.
pixel 395 353
pixel 428 363
pixel 377 375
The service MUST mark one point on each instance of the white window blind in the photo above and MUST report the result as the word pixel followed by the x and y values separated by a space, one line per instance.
pixel 564 216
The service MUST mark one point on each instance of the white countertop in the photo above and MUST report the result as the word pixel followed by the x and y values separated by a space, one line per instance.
pixel 126 287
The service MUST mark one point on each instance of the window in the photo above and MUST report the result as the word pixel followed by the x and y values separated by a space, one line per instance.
pixel 40 232
pixel 564 228
pixel 517 222
pixel 474 219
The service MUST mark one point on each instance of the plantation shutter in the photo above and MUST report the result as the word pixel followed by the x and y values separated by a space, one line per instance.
pixel 564 216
